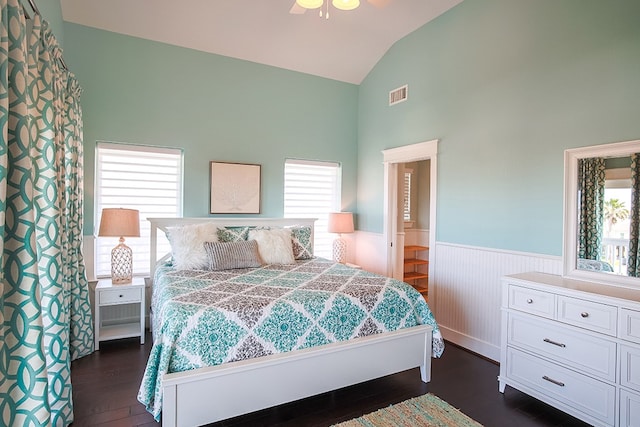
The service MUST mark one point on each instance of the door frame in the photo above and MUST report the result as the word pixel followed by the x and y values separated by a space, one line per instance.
pixel 392 157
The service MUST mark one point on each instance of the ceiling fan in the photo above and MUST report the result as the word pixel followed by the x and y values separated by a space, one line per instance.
pixel 301 6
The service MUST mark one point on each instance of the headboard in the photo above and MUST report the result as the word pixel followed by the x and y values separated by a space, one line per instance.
pixel 162 224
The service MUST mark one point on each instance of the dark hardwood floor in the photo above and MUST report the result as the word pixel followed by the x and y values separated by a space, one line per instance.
pixel 105 385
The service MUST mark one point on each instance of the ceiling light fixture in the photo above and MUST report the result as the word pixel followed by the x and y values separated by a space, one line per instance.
pixel 345 4
pixel 310 4
pixel 315 4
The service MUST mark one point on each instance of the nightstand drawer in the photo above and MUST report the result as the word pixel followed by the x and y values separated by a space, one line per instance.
pixel 532 301
pixel 590 315
pixel 120 296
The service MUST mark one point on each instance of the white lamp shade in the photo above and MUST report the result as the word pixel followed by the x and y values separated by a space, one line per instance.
pixel 340 222
pixel 119 222
pixel 346 4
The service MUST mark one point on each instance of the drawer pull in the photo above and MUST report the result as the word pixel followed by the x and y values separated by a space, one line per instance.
pixel 584 314
pixel 529 301
pixel 120 295
pixel 559 344
pixel 551 380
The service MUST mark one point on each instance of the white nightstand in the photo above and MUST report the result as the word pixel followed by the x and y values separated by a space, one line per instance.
pixel 108 294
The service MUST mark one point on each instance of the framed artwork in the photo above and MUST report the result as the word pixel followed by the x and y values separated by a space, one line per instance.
pixel 235 188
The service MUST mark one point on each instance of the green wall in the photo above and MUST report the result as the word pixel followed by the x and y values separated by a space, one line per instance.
pixel 507 86
pixel 52 12
pixel 214 107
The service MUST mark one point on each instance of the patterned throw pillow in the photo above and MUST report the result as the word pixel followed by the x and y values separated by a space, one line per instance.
pixel 274 245
pixel 233 234
pixel 187 250
pixel 301 237
pixel 226 256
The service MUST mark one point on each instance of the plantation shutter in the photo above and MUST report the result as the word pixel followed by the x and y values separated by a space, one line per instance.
pixel 145 178
pixel 312 190
pixel 407 196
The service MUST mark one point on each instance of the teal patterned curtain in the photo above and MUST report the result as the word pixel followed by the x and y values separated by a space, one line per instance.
pixel 45 312
pixel 591 180
pixel 633 266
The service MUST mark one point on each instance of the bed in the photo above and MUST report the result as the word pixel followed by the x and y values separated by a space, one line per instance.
pixel 229 341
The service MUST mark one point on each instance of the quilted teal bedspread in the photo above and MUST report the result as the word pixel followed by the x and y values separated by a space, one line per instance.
pixel 205 318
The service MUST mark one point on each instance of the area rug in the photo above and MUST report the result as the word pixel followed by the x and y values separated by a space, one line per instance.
pixel 427 410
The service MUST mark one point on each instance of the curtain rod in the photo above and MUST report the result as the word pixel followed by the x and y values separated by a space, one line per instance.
pixel 34 7
pixel 32 3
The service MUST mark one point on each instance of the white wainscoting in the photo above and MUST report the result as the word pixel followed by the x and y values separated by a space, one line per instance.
pixel 416 236
pixel 466 291
pixel 370 252
pixel 464 288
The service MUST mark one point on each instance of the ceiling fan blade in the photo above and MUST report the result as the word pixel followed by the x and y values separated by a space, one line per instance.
pixel 379 3
pixel 296 9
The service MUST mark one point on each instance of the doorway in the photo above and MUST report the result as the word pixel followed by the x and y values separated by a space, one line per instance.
pixel 414 179
pixel 396 161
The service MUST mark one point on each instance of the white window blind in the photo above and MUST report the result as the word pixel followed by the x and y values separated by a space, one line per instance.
pixel 145 178
pixel 407 196
pixel 312 190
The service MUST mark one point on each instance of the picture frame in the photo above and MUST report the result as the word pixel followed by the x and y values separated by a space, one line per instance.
pixel 235 188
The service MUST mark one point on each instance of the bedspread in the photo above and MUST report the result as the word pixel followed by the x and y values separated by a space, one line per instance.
pixel 205 318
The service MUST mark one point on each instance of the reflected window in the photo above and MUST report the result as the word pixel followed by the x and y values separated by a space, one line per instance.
pixel 617 203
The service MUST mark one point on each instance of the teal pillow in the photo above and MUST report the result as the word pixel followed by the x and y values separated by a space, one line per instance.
pixel 233 234
pixel 301 241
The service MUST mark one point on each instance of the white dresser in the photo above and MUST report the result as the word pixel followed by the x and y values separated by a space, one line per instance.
pixel 574 345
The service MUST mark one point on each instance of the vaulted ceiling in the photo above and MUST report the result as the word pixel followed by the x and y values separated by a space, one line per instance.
pixel 344 47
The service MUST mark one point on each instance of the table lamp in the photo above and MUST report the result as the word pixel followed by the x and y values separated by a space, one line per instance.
pixel 119 222
pixel 340 222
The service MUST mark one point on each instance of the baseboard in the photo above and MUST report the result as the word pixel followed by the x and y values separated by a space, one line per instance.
pixel 475 345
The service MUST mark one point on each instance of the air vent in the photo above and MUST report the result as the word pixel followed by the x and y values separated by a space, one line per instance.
pixel 398 95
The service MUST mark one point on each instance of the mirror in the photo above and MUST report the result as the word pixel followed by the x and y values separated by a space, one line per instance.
pixel 598 214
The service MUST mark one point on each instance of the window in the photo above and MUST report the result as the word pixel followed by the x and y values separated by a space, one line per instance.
pixel 312 190
pixel 145 178
pixel 407 196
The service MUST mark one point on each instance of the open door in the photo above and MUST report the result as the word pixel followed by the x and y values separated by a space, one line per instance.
pixel 394 235
pixel 393 227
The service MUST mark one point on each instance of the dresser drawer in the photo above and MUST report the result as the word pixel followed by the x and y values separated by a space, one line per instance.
pixel 630 325
pixel 584 394
pixel 629 409
pixel 119 296
pixel 564 344
pixel 589 315
pixel 630 367
pixel 532 301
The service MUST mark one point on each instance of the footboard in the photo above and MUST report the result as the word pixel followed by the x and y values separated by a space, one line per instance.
pixel 215 393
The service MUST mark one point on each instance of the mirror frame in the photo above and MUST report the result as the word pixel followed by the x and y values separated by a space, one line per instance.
pixel 570 250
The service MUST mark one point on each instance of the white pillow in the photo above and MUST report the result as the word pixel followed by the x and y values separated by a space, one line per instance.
pixel 187 245
pixel 274 245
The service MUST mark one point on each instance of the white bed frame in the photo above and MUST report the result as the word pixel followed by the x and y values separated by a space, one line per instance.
pixel 216 393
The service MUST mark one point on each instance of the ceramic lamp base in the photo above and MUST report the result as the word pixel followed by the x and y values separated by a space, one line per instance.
pixel 121 264
pixel 340 250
